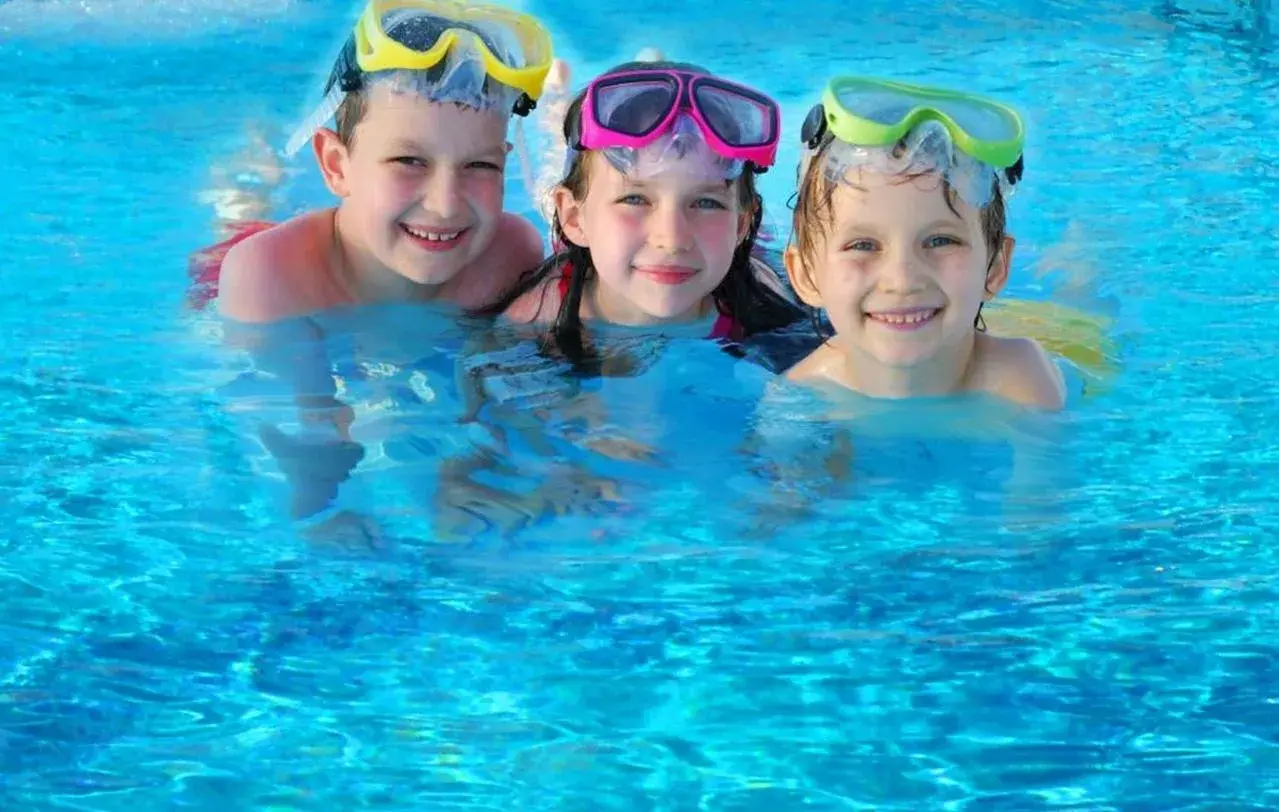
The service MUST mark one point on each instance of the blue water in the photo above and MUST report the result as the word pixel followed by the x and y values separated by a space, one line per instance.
pixel 752 603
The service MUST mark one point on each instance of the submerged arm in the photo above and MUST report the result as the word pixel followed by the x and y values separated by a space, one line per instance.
pixel 320 457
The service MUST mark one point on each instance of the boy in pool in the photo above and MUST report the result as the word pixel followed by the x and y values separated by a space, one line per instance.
pixel 423 93
pixel 900 238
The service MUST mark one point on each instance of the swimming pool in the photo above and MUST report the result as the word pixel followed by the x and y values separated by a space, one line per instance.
pixel 927 633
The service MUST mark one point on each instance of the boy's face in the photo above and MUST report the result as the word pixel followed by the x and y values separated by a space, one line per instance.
pixel 422 183
pixel 900 273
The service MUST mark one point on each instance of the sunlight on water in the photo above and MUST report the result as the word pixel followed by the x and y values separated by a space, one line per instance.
pixel 684 585
pixel 113 18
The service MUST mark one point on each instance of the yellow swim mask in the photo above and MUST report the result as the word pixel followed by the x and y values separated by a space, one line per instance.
pixel 418 34
pixel 478 55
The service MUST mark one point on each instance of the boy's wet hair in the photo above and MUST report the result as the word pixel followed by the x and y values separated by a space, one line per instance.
pixel 741 295
pixel 814 212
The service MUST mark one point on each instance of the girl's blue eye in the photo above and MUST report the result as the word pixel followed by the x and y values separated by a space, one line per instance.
pixel 708 203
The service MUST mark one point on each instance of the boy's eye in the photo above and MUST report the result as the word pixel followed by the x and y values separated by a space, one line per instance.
pixel 942 241
pixel 860 245
pixel 487 166
pixel 632 200
pixel 408 160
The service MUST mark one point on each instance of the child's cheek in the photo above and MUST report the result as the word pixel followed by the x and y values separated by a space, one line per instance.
pixel 399 187
pixel 844 275
pixel 486 190
pixel 715 230
pixel 624 222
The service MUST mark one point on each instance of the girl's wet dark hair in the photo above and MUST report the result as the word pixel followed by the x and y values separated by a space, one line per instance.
pixel 741 295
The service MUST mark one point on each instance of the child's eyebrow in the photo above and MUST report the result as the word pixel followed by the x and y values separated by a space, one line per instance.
pixel 495 151
pixel 409 145
pixel 945 222
pixel 856 221
pixel 718 187
pixel 713 187
pixel 856 228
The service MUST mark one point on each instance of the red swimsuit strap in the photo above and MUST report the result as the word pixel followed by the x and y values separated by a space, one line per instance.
pixel 205 266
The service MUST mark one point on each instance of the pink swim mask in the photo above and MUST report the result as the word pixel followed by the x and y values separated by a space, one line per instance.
pixel 634 108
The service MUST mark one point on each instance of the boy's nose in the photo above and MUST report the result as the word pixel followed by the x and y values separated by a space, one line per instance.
pixel 900 272
pixel 443 194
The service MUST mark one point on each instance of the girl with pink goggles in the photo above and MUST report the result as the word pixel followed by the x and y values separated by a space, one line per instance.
pixel 631 109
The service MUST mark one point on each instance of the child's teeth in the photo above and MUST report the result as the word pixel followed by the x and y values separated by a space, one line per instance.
pixel 904 318
pixel 434 236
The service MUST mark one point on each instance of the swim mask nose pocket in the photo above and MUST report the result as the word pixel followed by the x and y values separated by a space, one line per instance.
pixel 926 149
pixel 682 146
pixel 634 108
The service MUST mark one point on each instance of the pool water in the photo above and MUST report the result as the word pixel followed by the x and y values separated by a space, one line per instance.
pixel 674 590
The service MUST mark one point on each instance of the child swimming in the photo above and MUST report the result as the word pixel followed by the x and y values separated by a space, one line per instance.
pixel 656 214
pixel 899 238
pixel 420 98
pixel 422 94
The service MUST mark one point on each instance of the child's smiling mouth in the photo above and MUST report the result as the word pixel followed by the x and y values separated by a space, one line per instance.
pixel 904 318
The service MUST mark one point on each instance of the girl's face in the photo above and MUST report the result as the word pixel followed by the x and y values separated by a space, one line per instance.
pixel 660 242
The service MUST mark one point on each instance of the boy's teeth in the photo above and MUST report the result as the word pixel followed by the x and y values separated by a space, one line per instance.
pixel 434 236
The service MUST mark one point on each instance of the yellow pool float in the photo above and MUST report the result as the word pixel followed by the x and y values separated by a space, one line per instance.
pixel 1082 338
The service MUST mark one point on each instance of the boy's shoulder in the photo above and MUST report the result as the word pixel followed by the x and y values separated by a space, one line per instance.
pixel 820 365
pixel 516 249
pixel 280 272
pixel 1019 370
pixel 287 270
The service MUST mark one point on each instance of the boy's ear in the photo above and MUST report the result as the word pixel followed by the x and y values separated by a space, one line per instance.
pixel 997 276
pixel 334 160
pixel 801 277
pixel 569 211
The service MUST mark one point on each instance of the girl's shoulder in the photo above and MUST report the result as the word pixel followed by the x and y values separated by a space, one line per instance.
pixel 540 303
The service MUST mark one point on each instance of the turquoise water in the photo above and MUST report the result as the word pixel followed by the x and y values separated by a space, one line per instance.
pixel 754 607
